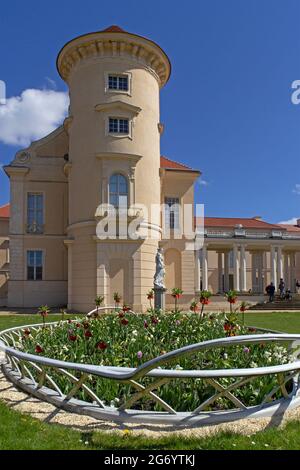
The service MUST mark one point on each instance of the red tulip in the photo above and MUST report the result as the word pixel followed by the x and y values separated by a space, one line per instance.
pixel 124 321
pixel 38 349
pixel 72 337
pixel 101 345
pixel 88 334
pixel 27 332
pixel 154 320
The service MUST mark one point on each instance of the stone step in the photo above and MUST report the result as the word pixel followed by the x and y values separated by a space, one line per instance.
pixel 277 305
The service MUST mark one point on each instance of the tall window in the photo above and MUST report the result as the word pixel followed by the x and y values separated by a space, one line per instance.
pixel 35 213
pixel 118 191
pixel 34 265
pixel 172 212
pixel 118 82
pixel 118 126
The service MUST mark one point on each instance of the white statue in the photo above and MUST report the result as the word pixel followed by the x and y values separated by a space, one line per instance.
pixel 159 278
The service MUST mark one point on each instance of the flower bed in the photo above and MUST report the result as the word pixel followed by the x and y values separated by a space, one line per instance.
pixel 128 340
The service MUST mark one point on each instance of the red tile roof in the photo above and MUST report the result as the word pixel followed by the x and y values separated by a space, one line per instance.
pixel 171 165
pixel 113 29
pixel 231 222
pixel 290 228
pixel 5 211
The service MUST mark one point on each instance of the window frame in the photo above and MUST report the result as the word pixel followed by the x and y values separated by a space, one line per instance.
pixel 41 225
pixel 168 213
pixel 119 134
pixel 109 74
pixel 35 266
pixel 118 193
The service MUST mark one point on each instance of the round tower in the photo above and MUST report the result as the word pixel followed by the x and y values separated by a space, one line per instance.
pixel 114 80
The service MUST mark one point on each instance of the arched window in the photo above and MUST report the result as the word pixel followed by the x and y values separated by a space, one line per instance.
pixel 118 191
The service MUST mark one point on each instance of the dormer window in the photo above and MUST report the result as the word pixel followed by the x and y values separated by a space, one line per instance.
pixel 119 126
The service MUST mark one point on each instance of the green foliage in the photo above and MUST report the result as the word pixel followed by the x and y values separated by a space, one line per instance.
pixel 176 294
pixel 204 297
pixel 231 297
pixel 117 298
pixel 44 311
pixel 99 300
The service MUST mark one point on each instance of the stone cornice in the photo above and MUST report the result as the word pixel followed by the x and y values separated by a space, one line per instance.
pixel 121 156
pixel 12 170
pixel 113 105
pixel 112 45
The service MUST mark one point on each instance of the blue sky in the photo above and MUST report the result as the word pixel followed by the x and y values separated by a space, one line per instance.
pixel 227 108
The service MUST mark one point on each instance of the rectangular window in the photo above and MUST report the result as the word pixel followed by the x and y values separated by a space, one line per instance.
pixel 35 213
pixel 34 265
pixel 118 82
pixel 172 213
pixel 118 126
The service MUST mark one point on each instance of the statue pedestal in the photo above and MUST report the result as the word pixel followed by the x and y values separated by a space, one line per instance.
pixel 160 298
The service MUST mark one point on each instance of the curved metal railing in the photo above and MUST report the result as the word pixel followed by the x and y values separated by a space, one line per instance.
pixel 37 375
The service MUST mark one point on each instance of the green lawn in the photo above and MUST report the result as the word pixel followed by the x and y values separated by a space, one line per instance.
pixel 288 322
pixel 18 431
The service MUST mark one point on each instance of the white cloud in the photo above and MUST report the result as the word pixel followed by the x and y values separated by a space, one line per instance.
pixel 32 115
pixel 203 182
pixel 292 221
pixel 296 190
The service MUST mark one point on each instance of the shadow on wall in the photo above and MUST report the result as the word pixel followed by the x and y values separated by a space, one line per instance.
pixel 3 290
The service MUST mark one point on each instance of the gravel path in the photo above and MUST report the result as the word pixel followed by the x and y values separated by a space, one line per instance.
pixel 46 412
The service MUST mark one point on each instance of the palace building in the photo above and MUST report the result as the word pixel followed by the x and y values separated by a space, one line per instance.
pixel 106 152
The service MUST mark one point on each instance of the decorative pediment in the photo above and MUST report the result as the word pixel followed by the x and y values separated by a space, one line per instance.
pixel 118 105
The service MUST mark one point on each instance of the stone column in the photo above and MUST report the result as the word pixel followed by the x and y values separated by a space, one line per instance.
pixel 226 271
pixel 236 268
pixel 292 283
pixel 197 271
pixel 69 245
pixel 279 264
pixel 17 230
pixel 101 273
pixel 243 267
pixel 220 272
pixel 273 267
pixel 286 268
pixel 204 269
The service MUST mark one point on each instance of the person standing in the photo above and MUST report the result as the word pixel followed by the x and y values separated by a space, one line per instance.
pixel 270 289
pixel 281 288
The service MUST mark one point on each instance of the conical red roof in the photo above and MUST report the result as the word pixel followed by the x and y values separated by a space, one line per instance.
pixel 113 29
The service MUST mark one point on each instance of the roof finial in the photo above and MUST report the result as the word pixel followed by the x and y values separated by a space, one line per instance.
pixel 113 29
